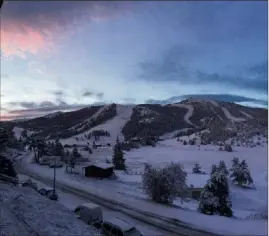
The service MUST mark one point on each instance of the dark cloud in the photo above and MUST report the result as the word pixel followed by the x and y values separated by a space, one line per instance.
pixel 176 65
pixel 218 97
pixel 173 63
pixel 58 93
pixel 87 94
pixel 208 20
pixel 257 83
pixel 99 95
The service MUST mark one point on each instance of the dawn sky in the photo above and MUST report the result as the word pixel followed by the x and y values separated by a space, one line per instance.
pixel 65 55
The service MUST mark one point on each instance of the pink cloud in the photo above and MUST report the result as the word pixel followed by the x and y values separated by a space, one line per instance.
pixel 36 27
pixel 21 42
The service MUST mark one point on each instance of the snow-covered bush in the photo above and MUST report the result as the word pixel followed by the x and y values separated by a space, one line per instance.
pixel 240 173
pixel 196 169
pixel 214 198
pixel 164 184
pixel 262 214
pixel 228 148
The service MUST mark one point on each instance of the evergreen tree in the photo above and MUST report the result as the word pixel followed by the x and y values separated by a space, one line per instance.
pixel 33 146
pixel 41 146
pixel 4 138
pixel 59 149
pixel 75 153
pixel 7 168
pixel 214 198
pixel 240 174
pixel 118 156
pixel 24 133
pixel 196 169
pixel 235 163
pixel 222 167
pixel 213 169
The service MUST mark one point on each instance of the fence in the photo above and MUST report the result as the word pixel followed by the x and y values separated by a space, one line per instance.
pixel 10 179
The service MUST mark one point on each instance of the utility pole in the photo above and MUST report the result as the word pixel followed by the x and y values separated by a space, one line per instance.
pixel 54 175
pixel 54 195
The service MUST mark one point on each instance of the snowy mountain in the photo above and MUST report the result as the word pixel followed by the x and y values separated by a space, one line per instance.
pixel 222 119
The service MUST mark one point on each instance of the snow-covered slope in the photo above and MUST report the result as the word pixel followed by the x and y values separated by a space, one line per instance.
pixel 113 126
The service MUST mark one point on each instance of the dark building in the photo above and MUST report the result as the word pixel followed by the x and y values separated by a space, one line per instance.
pixel 101 170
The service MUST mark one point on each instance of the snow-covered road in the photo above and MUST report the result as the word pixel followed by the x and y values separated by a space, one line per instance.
pixel 71 201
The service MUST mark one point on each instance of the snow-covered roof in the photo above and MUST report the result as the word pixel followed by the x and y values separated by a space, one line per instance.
pixel 101 165
pixel 89 205
pixel 123 225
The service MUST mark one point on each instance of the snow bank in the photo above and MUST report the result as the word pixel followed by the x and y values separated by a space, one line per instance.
pixel 40 214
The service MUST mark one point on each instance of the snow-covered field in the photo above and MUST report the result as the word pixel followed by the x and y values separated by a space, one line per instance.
pixel 127 188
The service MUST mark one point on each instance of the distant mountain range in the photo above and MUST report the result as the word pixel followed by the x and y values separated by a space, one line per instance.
pixel 145 120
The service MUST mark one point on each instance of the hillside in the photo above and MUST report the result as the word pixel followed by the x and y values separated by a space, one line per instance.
pixel 222 120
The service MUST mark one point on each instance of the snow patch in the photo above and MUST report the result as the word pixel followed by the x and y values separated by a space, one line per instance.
pixel 246 114
pixel 230 116
pixel 189 113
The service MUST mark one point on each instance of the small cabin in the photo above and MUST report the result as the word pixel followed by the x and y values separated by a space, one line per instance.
pixel 50 159
pixel 99 170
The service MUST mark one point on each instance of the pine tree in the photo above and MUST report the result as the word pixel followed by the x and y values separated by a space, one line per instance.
pixel 241 174
pixel 235 163
pixel 213 169
pixel 196 169
pixel 75 153
pixel 4 138
pixel 7 168
pixel 24 133
pixel 214 198
pixel 222 167
pixel 118 156
pixel 59 149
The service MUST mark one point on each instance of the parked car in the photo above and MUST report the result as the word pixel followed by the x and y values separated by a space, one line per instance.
pixel 119 227
pixel 44 191
pixel 48 192
pixel 29 183
pixel 44 162
pixel 90 213
pixel 56 165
